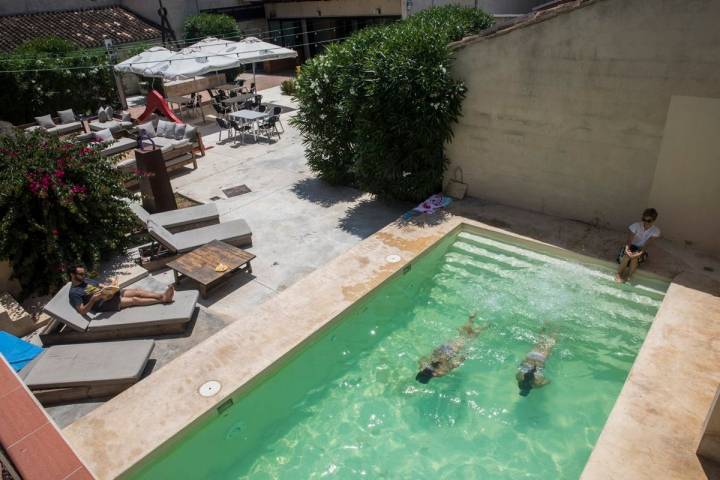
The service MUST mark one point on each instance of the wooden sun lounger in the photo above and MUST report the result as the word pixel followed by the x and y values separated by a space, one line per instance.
pixel 68 326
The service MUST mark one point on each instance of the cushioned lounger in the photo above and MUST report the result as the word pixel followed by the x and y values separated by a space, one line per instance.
pixel 235 232
pixel 128 322
pixel 177 219
pixel 90 370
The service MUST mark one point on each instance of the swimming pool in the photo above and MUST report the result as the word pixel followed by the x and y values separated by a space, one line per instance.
pixel 348 404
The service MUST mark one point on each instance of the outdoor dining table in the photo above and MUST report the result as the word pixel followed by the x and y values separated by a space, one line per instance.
pixel 233 101
pixel 247 116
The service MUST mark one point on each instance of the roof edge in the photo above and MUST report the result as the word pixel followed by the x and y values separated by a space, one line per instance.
pixel 524 21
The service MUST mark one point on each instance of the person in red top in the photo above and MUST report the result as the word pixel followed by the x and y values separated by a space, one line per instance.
pixel 635 250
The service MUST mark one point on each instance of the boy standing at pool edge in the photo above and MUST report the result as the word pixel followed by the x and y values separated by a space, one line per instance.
pixel 635 250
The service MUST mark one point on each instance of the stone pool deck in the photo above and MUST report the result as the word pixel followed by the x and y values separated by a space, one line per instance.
pixel 652 432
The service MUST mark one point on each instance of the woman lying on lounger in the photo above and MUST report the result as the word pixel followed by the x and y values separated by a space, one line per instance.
pixel 448 356
pixel 90 296
pixel 531 372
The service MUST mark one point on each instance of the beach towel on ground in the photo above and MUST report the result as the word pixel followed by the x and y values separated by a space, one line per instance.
pixel 430 205
pixel 17 352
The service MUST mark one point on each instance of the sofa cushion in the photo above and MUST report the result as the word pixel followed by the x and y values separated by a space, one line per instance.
pixel 120 145
pixel 113 125
pixel 149 129
pixel 191 133
pixel 65 128
pixel 45 121
pixel 165 129
pixel 125 117
pixel 66 116
pixel 104 135
pixel 180 131
pixel 102 115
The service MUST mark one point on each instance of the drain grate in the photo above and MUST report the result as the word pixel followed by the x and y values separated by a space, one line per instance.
pixel 235 191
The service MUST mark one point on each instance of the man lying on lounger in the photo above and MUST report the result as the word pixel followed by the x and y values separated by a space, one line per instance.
pixel 91 296
pixel 448 356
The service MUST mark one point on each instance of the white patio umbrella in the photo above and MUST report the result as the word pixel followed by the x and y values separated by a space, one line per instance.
pixel 150 63
pixel 212 55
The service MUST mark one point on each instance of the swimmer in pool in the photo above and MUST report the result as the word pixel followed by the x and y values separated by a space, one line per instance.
pixel 450 355
pixel 531 372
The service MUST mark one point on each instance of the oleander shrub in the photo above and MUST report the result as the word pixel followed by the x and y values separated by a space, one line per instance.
pixel 48 74
pixel 209 25
pixel 60 202
pixel 287 87
pixel 375 110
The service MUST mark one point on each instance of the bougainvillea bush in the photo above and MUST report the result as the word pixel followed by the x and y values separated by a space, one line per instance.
pixel 60 202
pixel 376 109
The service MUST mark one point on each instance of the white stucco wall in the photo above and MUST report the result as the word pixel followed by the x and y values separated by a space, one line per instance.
pixel 567 116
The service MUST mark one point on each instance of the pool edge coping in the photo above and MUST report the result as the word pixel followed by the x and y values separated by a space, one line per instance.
pixel 357 272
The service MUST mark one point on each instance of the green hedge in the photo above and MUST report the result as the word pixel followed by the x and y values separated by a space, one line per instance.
pixel 376 109
pixel 209 25
pixel 60 202
pixel 79 79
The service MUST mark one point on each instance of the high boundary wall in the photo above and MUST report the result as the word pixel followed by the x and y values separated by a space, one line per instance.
pixel 567 115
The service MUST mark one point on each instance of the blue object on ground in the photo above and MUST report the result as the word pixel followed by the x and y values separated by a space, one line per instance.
pixel 16 351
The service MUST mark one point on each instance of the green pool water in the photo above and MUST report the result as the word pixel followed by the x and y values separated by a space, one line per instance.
pixel 348 405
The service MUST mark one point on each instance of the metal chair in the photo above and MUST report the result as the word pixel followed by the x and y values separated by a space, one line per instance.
pixel 241 128
pixel 224 125
pixel 220 108
pixel 276 111
pixel 268 126
pixel 261 108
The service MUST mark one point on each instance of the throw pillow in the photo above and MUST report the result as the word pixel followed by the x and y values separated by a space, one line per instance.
pixel 102 116
pixel 126 117
pixel 45 121
pixel 104 135
pixel 110 113
pixel 190 133
pixel 66 116
pixel 180 131
pixel 165 129
pixel 148 128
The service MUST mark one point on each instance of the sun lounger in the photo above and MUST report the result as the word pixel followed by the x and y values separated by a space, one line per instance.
pixel 159 319
pixel 66 373
pixel 181 219
pixel 168 246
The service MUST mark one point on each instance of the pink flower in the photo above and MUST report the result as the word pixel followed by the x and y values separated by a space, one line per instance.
pixel 59 173
pixel 55 232
pixel 78 189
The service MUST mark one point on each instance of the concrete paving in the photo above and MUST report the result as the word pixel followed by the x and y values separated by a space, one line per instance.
pixel 299 223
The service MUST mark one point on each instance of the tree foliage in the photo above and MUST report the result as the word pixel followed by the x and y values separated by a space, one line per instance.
pixel 60 202
pixel 376 109
pixel 48 74
pixel 209 25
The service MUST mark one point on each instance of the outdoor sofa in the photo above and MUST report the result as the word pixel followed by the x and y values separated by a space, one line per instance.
pixel 166 134
pixel 178 220
pixel 68 326
pixel 118 144
pixel 66 122
pixel 66 373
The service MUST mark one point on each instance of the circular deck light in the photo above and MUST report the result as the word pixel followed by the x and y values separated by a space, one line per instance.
pixel 209 389
pixel 393 258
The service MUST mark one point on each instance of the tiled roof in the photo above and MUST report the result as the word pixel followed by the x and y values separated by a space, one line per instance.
pixel 85 28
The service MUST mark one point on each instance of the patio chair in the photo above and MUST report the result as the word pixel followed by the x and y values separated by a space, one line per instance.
pixel 68 326
pixel 224 125
pixel 257 100
pixel 268 126
pixel 276 111
pixel 261 108
pixel 241 128
pixel 178 220
pixel 234 232
pixel 68 373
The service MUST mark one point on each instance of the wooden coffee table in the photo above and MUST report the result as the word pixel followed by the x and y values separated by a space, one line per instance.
pixel 199 265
